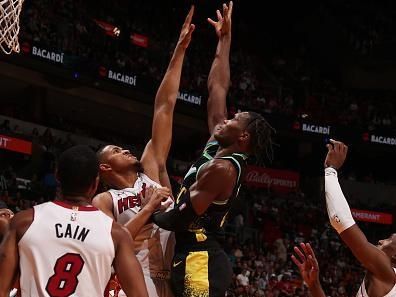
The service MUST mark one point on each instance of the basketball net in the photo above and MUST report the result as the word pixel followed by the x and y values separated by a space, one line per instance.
pixel 9 25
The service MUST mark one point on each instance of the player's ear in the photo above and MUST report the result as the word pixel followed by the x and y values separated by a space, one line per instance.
pixel 104 167
pixel 245 136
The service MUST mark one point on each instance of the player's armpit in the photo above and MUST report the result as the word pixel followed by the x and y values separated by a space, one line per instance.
pixel 128 269
pixel 371 257
pixel 104 202
pixel 9 258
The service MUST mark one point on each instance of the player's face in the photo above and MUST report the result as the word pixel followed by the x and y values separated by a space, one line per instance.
pixel 118 158
pixel 231 130
pixel 388 246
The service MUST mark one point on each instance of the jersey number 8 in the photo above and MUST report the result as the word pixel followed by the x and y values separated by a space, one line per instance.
pixel 64 281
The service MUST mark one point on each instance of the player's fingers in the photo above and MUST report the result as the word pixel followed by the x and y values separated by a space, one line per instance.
pixel 337 145
pixel 313 263
pixel 299 253
pixel 225 10
pixel 164 192
pixel 189 16
pixel 298 263
pixel 191 30
pixel 212 22
pixel 330 147
pixel 166 205
pixel 310 250
pixel 345 148
pixel 230 6
pixel 304 248
pixel 312 255
pixel 219 16
pixel 149 192
pixel 187 36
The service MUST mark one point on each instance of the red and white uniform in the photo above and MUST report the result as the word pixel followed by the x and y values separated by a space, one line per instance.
pixel 66 251
pixel 363 293
pixel 153 246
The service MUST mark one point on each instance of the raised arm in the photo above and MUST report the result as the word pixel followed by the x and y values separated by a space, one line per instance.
pixel 8 260
pixel 372 258
pixel 9 256
pixel 193 202
pixel 309 268
pixel 219 75
pixel 127 267
pixel 157 149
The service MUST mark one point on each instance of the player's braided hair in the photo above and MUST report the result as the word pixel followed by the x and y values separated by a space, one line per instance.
pixel 261 142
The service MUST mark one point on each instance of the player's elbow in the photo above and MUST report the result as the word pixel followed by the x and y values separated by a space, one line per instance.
pixel 216 86
pixel 166 105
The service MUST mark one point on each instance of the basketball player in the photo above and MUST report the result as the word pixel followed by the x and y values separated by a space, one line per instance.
pixel 67 247
pixel 379 261
pixel 124 173
pixel 200 266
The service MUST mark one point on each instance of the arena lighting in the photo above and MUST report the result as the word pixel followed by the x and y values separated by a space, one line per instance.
pixel 116 31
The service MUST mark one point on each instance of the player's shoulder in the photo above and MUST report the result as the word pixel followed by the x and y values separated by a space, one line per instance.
pixel 22 221
pixel 219 165
pixel 101 198
pixel 219 169
pixel 22 217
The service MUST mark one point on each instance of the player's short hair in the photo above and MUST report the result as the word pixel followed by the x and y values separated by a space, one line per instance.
pixel 261 133
pixel 78 167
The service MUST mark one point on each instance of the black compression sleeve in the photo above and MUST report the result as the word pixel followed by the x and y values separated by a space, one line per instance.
pixel 179 218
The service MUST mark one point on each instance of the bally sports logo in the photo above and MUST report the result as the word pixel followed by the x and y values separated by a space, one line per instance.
pixel 279 180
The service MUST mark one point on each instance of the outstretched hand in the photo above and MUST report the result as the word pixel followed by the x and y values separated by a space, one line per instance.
pixel 336 154
pixel 223 24
pixel 307 264
pixel 153 198
pixel 187 30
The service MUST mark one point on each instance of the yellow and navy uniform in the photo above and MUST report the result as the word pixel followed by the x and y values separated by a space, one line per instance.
pixel 200 266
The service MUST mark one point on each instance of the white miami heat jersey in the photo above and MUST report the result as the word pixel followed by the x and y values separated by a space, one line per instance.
pixel 363 293
pixel 153 245
pixel 66 251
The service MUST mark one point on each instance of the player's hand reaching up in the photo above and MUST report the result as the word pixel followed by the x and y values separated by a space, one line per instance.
pixel 336 154
pixel 307 264
pixel 187 30
pixel 223 24
pixel 153 198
